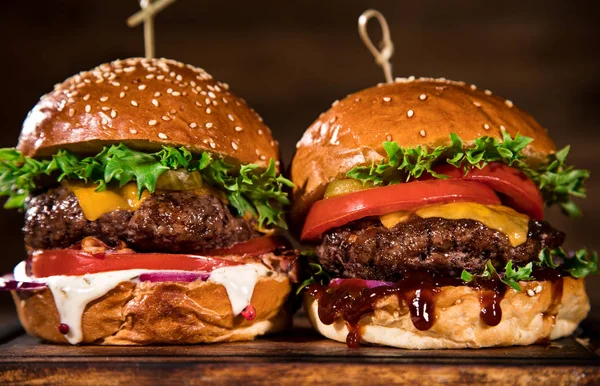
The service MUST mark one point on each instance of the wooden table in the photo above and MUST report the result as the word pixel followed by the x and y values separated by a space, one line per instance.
pixel 300 357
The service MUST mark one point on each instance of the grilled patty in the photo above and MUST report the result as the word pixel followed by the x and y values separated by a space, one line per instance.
pixel 175 222
pixel 367 250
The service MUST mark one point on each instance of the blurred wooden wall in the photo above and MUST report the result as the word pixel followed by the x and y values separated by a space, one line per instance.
pixel 290 60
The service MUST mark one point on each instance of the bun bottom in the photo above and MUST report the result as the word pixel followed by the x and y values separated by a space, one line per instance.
pixel 161 313
pixel 525 319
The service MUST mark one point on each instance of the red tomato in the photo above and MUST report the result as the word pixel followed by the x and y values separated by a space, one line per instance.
pixel 519 191
pixel 75 262
pixel 337 211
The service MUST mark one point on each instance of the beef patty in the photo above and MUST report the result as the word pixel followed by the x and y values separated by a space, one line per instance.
pixel 176 222
pixel 367 250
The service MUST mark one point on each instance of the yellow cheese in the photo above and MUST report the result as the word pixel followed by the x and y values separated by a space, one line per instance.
pixel 501 218
pixel 391 219
pixel 95 204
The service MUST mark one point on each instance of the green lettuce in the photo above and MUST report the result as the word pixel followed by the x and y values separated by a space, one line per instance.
pixel 250 189
pixel 557 180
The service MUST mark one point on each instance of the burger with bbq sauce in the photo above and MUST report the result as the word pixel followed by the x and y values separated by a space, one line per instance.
pixel 152 200
pixel 425 200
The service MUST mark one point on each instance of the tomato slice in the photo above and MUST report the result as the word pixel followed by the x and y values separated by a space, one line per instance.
pixel 337 211
pixel 252 247
pixel 520 192
pixel 75 262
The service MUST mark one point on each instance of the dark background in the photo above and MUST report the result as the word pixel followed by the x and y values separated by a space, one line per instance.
pixel 290 60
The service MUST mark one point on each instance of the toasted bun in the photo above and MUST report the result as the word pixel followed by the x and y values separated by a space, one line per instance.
pixel 412 113
pixel 525 319
pixel 161 313
pixel 145 104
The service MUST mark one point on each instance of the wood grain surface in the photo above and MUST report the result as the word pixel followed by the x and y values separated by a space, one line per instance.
pixel 298 357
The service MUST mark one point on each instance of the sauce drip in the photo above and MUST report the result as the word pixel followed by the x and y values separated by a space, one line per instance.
pixel 351 299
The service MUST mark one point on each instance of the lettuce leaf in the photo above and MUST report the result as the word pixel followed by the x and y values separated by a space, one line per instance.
pixel 250 189
pixel 557 180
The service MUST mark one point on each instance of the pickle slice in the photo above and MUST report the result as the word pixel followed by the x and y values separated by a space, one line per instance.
pixel 345 186
pixel 179 180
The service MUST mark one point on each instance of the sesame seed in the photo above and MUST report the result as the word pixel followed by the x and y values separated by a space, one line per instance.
pixel 134 103
pixel 103 99
pixel 152 122
pixel 208 111
pixel 104 121
pixel 162 136
pixel 193 125
pixel 173 111
pixel 234 145
pixel 142 87
pixel 157 94
pixel 122 95
pixel 149 76
pixel 71 112
pixel 113 114
pixel 116 84
pixel 263 157
pixel 176 93
pixel 388 137
pixel 179 78
pixel 126 88
pixel 133 131
pixel 198 104
pixel 207 101
pixel 410 113
pixel 502 128
pixel 212 94
pixel 508 103
pixel 160 77
pixel 387 99
pixel 212 144
pixel 473 87
pixel 166 118
pixel 530 292
pixel 208 125
pixel 214 103
pixel 169 90
pixel 225 100
pixel 88 108
pixel 335 103
pixel 105 108
pixel 237 128
pixel 487 92
pixel 260 132
pixel 86 97
pixel 231 118
pixel 538 289
pixel 422 132
pixel 155 102
pixel 422 97
pixel 486 126
pixel 477 104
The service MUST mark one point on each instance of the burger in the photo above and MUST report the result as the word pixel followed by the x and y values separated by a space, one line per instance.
pixel 153 207
pixel 425 200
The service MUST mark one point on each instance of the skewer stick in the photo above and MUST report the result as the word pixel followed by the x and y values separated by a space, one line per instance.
pixel 383 56
pixel 146 15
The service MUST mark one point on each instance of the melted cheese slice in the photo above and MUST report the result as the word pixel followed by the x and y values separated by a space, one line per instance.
pixel 94 204
pixel 501 218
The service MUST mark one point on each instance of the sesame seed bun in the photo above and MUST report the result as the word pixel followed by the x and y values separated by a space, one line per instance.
pixel 411 112
pixel 526 319
pixel 145 104
pixel 161 313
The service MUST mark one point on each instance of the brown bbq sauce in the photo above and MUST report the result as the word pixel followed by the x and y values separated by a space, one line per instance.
pixel 351 299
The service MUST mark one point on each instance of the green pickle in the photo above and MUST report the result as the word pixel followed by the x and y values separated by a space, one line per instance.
pixel 179 180
pixel 345 186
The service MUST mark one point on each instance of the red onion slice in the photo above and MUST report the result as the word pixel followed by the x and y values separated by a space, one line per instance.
pixel 8 284
pixel 367 283
pixel 186 277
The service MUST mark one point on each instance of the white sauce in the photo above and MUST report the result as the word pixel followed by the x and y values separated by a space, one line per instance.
pixel 73 293
pixel 239 281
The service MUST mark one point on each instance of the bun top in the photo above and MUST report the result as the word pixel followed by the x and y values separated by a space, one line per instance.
pixel 411 112
pixel 146 104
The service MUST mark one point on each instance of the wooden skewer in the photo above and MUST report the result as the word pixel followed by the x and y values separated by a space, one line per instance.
pixel 383 56
pixel 146 15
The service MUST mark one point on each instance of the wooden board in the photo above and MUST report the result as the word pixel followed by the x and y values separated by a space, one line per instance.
pixel 298 357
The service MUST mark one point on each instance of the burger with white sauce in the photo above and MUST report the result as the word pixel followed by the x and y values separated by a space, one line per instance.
pixel 153 203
